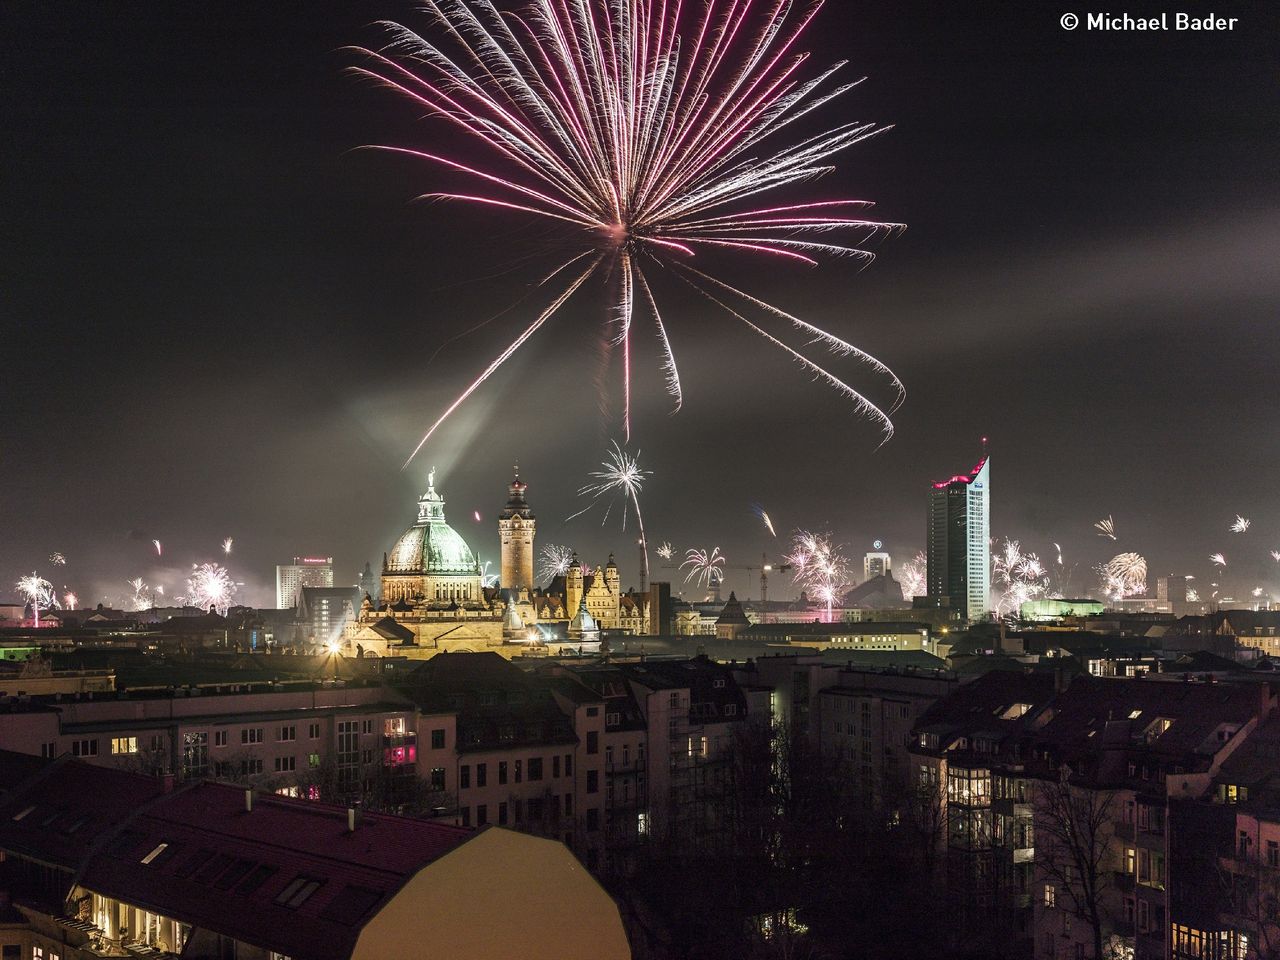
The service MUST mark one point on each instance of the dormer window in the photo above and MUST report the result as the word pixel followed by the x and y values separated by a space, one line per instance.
pixel 1157 727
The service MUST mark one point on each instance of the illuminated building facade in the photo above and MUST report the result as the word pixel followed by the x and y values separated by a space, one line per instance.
pixel 516 528
pixel 959 555
pixel 303 572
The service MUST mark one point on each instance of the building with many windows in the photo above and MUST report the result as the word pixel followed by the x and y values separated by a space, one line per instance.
pixel 303 572
pixel 959 541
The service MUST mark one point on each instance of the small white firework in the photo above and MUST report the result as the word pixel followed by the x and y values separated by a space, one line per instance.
pixel 1241 524
pixel 1218 560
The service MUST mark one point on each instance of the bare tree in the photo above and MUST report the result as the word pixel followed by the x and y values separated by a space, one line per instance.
pixel 1072 834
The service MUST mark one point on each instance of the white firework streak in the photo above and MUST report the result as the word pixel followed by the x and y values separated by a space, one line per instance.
pixel 226 545
pixel 39 593
pixel 1106 528
pixel 1240 525
pixel 705 567
pixel 620 476
pixel 1275 555
pixel 554 560
pixel 665 550
pixel 1218 560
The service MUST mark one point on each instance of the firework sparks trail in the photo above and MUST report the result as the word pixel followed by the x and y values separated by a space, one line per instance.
pixel 620 474
pixel 1058 549
pixel 209 587
pixel 140 599
pixel 705 567
pixel 476 516
pixel 487 579
pixel 1218 560
pixel 57 559
pixel 1124 575
pixel 1241 524
pixel 820 566
pixel 1106 528
pixel 763 514
pixel 39 593
pixel 1275 555
pixel 643 132
pixel 226 546
pixel 913 575
pixel 1022 576
pixel 159 549
pixel 70 601
pixel 554 561
pixel 665 550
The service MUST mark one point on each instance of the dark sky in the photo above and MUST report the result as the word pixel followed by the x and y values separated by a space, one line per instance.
pixel 218 319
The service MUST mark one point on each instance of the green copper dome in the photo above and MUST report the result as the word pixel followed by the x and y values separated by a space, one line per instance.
pixel 431 547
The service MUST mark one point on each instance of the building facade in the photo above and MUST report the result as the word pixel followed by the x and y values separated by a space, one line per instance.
pixel 959 540
pixel 303 572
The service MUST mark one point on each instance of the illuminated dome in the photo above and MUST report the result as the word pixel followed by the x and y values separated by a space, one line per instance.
pixel 432 548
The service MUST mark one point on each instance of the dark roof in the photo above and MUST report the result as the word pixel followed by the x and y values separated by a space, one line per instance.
pixel 388 629
pixel 223 867
pixel 732 614
pixel 779 631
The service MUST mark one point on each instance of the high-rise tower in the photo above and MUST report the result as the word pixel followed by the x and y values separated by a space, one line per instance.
pixel 959 565
pixel 516 525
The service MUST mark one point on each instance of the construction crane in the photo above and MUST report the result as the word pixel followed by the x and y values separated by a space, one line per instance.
pixel 765 568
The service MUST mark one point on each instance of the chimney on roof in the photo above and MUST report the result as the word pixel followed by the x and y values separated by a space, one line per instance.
pixel 248 800
pixel 353 818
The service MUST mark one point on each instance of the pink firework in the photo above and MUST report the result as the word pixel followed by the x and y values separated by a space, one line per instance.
pixel 646 133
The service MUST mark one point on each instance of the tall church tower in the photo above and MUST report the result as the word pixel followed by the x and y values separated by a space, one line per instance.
pixel 516 525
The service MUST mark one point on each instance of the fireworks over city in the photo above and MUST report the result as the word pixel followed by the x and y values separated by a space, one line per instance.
pixel 57 559
pixel 1240 525
pixel 665 550
pixel 554 560
pixel 819 567
pixel 1218 560
pixel 39 594
pixel 1021 576
pixel 705 567
pixel 913 575
pixel 159 549
pixel 140 599
pixel 1106 528
pixel 763 514
pixel 620 476
pixel 1124 575
pixel 226 546
pixel 646 142
pixel 209 587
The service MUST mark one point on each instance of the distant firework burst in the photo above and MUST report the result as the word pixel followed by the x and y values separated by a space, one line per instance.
pixel 1240 524
pixel 1218 560
pixel 140 600
pixel 1124 575
pixel 704 567
pixel 159 549
pixel 912 574
pixel 1021 578
pixel 619 476
pixel 554 560
pixel 645 135
pixel 665 550
pixel 820 567
pixel 1275 555
pixel 39 594
pixel 70 601
pixel 226 546
pixel 57 559
pixel 1106 528
pixel 210 587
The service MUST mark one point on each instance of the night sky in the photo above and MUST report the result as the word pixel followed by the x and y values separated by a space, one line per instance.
pixel 220 321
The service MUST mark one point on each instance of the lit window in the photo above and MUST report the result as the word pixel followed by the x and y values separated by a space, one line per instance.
pixel 1050 896
pixel 124 745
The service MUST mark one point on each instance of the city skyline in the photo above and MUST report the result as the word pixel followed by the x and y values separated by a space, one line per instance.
pixel 269 368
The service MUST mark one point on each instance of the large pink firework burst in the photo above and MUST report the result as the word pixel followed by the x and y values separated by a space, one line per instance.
pixel 649 130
